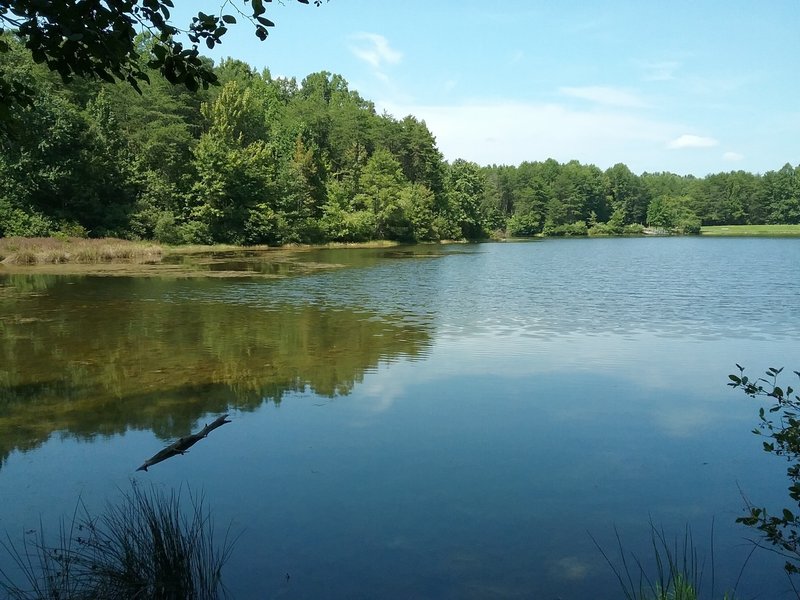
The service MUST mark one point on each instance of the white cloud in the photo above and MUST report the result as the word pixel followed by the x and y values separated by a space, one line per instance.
pixel 374 49
pixel 732 156
pixel 507 132
pixel 604 95
pixel 691 141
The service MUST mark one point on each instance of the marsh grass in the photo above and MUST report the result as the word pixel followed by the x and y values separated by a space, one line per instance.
pixel 673 572
pixel 53 250
pixel 145 546
pixel 751 230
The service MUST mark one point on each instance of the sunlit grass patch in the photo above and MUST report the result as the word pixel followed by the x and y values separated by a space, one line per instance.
pixel 756 230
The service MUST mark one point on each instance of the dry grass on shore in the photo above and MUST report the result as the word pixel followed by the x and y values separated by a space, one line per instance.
pixel 52 250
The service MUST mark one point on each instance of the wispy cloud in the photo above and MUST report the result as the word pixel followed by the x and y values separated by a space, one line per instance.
pixel 609 96
pixel 691 141
pixel 732 156
pixel 450 85
pixel 659 71
pixel 374 49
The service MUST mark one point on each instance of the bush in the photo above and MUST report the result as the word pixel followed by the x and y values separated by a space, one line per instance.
pixel 633 229
pixel 566 230
pixel 166 230
pixel 342 226
pixel 604 229
pixel 71 229
pixel 264 226
pixel 16 222
pixel 688 225
pixel 195 232
pixel 523 225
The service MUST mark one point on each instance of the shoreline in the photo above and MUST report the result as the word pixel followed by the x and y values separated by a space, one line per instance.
pixel 114 256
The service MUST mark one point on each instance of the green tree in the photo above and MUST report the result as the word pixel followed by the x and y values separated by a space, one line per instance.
pixel 234 197
pixel 721 198
pixel 782 195
pixel 673 214
pixel 627 194
pixel 340 221
pixel 94 38
pixel 419 204
pixel 381 186
pixel 465 187
pixel 65 166
pixel 578 190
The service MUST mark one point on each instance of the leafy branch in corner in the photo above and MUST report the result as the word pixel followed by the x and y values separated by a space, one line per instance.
pixel 98 39
pixel 781 424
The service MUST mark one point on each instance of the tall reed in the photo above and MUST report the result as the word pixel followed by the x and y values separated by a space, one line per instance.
pixel 145 546
pixel 676 572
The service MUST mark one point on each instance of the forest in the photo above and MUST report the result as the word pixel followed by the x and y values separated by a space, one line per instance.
pixel 265 160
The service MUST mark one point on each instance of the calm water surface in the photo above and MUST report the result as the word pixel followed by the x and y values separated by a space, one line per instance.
pixel 427 422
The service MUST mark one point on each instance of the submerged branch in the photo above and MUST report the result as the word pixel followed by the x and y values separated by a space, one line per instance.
pixel 183 444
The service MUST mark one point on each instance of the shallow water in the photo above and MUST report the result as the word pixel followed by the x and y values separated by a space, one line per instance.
pixel 441 422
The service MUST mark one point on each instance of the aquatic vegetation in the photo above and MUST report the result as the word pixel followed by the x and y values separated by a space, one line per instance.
pixel 48 250
pixel 144 546
pixel 674 571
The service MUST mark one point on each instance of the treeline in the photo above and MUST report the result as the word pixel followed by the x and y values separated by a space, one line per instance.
pixel 264 160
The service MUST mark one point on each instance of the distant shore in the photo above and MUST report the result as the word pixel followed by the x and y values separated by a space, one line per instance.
pixel 113 256
pixel 23 251
pixel 117 256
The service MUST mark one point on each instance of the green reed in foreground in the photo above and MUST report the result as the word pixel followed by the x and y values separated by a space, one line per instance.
pixel 677 573
pixel 144 546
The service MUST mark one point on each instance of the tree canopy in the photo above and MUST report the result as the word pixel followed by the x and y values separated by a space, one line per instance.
pixel 266 160
pixel 98 38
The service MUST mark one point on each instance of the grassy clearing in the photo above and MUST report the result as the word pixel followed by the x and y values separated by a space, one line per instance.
pixel 145 546
pixel 755 230
pixel 51 250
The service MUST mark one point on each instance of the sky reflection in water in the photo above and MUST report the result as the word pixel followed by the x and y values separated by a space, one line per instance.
pixel 437 422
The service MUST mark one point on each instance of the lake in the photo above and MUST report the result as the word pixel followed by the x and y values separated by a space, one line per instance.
pixel 416 422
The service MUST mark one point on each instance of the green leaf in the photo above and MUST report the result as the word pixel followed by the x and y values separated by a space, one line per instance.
pixel 229 19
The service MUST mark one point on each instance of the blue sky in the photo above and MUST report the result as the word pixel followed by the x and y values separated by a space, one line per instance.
pixel 688 87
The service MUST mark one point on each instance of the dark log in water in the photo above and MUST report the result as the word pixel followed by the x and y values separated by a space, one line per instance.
pixel 183 444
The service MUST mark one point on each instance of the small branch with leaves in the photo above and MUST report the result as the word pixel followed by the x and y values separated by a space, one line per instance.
pixel 781 530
